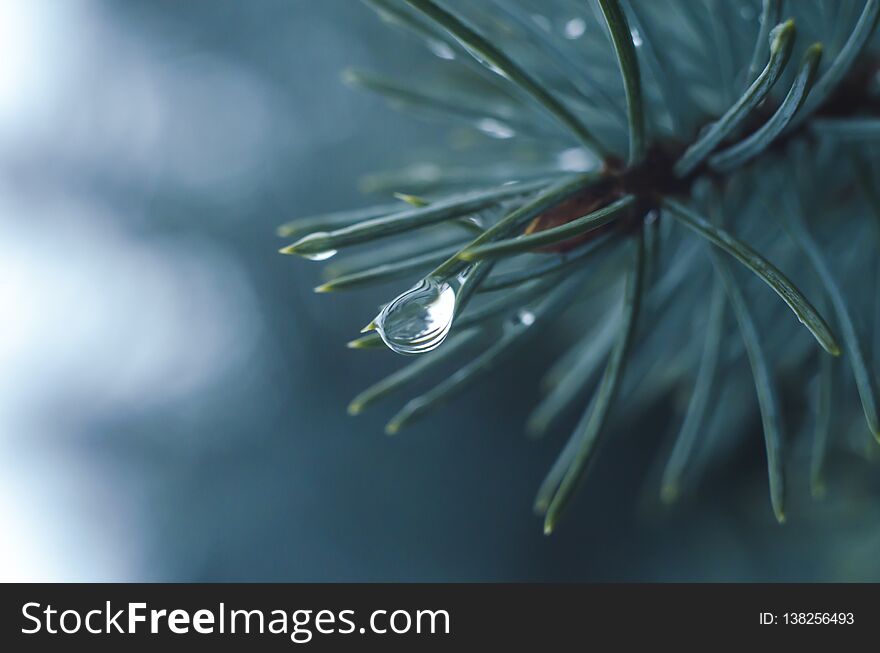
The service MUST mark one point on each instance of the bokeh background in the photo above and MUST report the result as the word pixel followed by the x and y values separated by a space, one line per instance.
pixel 172 394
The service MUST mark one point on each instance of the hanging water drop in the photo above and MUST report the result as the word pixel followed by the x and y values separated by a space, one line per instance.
pixel 418 320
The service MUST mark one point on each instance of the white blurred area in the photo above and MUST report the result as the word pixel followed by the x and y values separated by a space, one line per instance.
pixel 99 313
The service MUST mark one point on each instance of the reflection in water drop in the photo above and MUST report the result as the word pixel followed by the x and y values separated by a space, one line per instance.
pixel 495 128
pixel 575 28
pixel 636 37
pixel 479 57
pixel 419 320
pixel 441 49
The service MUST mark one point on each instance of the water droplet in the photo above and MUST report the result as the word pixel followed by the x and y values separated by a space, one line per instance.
pixel 747 12
pixel 475 220
pixel 418 320
pixel 488 64
pixel 636 37
pixel 525 317
pixel 441 49
pixel 575 28
pixel 495 128
pixel 320 256
pixel 576 159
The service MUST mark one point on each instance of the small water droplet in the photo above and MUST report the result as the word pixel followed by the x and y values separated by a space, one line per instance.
pixel 441 49
pixel 525 317
pixel 575 28
pixel 475 220
pixel 495 128
pixel 488 64
pixel 321 256
pixel 576 159
pixel 747 12
pixel 419 319
pixel 636 37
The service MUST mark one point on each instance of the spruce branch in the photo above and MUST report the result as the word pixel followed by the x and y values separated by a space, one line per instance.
pixel 525 231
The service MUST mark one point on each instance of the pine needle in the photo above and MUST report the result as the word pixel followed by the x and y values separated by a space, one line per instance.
pixel 414 218
pixel 760 140
pixel 764 386
pixel 768 272
pixel 590 428
pixel 621 37
pixel 696 409
pixel 550 236
pixel 855 351
pixel 781 42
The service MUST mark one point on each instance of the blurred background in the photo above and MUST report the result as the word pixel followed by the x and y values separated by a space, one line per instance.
pixel 172 394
